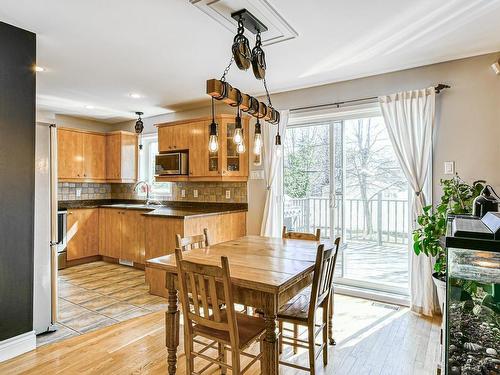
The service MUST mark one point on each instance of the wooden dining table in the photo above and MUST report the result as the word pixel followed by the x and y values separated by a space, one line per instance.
pixel 265 273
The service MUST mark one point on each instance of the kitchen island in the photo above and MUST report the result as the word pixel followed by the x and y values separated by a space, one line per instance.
pixel 133 232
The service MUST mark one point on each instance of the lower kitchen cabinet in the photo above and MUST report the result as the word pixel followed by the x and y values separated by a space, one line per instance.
pixel 82 233
pixel 122 234
pixel 161 231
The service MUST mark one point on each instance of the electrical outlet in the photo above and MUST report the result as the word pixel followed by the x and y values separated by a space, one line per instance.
pixel 183 193
pixel 195 193
pixel 228 194
pixel 449 167
pixel 78 192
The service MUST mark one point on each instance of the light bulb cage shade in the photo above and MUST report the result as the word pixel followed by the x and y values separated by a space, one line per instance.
pixel 139 125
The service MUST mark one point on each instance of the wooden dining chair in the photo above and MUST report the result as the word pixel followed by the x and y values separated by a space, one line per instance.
pixel 301 235
pixel 301 309
pixel 192 242
pixel 225 327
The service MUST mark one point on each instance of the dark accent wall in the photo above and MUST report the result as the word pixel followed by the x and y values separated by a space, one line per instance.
pixel 17 179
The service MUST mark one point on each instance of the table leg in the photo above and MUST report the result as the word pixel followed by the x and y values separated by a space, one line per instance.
pixel 172 325
pixel 271 347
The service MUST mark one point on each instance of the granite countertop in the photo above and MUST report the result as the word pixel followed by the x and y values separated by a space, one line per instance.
pixel 170 209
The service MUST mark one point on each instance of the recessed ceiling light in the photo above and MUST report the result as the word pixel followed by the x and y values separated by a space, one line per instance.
pixel 39 69
pixel 89 107
pixel 135 95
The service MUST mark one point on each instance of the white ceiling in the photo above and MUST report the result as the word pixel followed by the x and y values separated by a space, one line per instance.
pixel 98 52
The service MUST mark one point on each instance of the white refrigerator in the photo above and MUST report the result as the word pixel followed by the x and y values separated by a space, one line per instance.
pixel 45 246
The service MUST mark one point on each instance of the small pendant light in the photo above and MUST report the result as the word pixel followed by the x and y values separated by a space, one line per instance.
pixel 238 131
pixel 257 139
pixel 213 141
pixel 277 142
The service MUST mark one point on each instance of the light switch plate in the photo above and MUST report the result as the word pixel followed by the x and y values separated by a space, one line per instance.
pixel 195 193
pixel 449 167
pixel 228 194
pixel 183 193
pixel 78 192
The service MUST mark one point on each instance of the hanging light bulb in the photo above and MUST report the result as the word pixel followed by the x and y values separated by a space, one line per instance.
pixel 213 141
pixel 238 132
pixel 240 148
pixel 278 143
pixel 257 139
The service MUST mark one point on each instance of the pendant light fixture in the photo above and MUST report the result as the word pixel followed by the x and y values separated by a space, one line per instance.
pixel 139 125
pixel 257 139
pixel 238 130
pixel 213 141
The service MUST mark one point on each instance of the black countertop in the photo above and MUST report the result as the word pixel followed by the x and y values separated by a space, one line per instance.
pixel 169 209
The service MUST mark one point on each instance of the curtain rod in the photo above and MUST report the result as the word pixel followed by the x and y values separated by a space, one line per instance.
pixel 437 89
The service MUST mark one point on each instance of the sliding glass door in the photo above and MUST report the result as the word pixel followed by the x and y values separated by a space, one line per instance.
pixel 342 176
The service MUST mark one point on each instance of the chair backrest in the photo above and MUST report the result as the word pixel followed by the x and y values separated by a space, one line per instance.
pixel 301 235
pixel 324 268
pixel 192 242
pixel 201 280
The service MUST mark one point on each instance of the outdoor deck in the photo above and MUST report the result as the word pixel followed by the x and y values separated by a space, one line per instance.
pixel 382 264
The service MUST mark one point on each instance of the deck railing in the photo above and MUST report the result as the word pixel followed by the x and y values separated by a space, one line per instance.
pixel 385 222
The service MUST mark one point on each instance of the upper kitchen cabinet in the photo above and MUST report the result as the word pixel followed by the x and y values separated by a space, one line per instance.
pixel 81 155
pixel 85 156
pixel 223 165
pixel 121 157
pixel 173 138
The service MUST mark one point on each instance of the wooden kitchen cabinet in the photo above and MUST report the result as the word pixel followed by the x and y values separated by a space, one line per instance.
pixel 133 237
pixel 94 161
pixel 85 156
pixel 69 154
pixel 173 138
pixel 224 165
pixel 121 157
pixel 122 234
pixel 161 231
pixel 82 233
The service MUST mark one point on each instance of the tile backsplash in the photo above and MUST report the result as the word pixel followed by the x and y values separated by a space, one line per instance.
pixel 207 191
pixel 68 191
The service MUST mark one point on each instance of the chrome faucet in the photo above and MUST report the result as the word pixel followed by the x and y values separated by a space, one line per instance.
pixel 148 189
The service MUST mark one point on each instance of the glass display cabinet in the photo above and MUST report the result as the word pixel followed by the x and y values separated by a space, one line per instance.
pixel 473 306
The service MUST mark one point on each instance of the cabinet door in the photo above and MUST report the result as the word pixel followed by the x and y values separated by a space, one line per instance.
pixel 128 162
pixel 111 232
pixel 69 154
pixel 83 233
pixel 165 139
pixel 181 136
pixel 133 237
pixel 198 149
pixel 94 153
pixel 113 156
pixel 234 164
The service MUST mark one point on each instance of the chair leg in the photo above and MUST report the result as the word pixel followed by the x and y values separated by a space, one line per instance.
pixel 280 340
pixel 326 318
pixel 330 321
pixel 235 361
pixel 188 348
pixel 222 357
pixel 295 336
pixel 261 360
pixel 312 348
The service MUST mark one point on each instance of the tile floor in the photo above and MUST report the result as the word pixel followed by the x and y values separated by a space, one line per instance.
pixel 99 294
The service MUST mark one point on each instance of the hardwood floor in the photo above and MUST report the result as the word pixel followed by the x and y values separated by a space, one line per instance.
pixel 372 338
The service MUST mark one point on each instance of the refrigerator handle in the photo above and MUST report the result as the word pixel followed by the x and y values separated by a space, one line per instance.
pixel 53 217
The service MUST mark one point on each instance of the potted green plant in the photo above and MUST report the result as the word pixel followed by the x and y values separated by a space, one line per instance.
pixel 457 198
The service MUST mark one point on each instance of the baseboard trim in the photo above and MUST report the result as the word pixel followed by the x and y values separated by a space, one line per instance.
pixel 17 345
pixel 372 295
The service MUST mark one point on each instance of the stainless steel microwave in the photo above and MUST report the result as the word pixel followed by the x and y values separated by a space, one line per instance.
pixel 172 163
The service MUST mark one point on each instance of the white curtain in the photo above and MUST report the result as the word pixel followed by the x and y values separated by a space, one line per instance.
pixel 409 118
pixel 271 220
